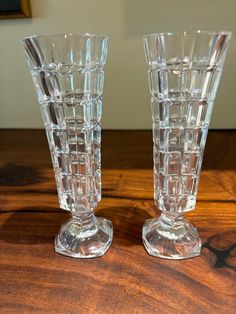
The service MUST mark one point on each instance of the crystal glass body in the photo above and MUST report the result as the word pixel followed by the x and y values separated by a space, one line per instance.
pixel 184 74
pixel 67 72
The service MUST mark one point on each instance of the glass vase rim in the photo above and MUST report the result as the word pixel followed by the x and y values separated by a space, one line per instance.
pixel 204 32
pixel 89 35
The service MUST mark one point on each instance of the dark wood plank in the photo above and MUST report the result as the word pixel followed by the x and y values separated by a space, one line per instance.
pixel 117 183
pixel 120 149
pixel 34 279
pixel 126 278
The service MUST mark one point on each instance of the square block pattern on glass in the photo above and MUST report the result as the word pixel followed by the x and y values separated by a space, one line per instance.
pixel 71 105
pixel 182 101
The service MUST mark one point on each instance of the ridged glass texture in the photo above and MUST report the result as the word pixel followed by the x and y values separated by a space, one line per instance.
pixel 184 74
pixel 67 72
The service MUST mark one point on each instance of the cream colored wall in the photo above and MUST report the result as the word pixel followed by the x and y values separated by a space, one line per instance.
pixel 126 99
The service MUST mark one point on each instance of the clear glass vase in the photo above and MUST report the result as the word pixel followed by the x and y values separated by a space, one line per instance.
pixel 67 72
pixel 184 74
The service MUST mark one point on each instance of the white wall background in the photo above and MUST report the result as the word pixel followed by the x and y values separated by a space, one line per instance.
pixel 126 99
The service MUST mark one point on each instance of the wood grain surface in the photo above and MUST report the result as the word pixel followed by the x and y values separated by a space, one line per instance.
pixel 34 279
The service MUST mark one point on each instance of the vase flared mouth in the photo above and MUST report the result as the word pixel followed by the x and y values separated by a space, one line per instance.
pixel 66 35
pixel 187 33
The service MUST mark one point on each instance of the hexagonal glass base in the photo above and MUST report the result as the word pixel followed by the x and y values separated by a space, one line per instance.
pixel 79 241
pixel 171 237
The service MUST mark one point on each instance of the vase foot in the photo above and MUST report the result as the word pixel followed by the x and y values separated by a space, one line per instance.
pixel 79 242
pixel 171 237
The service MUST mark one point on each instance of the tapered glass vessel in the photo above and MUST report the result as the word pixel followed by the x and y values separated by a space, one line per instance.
pixel 184 74
pixel 67 72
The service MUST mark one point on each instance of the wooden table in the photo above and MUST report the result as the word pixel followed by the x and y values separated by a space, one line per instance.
pixel 34 279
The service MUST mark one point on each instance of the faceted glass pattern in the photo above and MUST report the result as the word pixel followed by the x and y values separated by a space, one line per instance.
pixel 67 72
pixel 184 74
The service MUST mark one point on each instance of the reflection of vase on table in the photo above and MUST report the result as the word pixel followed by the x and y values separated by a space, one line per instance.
pixel 184 74
pixel 67 71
